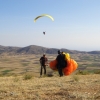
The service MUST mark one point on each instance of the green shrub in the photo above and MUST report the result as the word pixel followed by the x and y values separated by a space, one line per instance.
pixel 83 72
pixel 96 71
pixel 5 72
pixel 27 76
pixel 76 78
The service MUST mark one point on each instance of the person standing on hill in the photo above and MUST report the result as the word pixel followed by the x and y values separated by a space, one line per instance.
pixel 43 62
pixel 61 63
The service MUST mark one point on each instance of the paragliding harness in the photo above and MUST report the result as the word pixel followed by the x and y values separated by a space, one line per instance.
pixel 61 60
pixel 44 33
pixel 61 63
pixel 64 61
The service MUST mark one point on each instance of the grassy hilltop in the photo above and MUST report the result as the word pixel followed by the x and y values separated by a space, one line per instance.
pixel 20 79
pixel 73 87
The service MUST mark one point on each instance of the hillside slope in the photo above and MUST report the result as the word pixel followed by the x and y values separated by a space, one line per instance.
pixel 34 49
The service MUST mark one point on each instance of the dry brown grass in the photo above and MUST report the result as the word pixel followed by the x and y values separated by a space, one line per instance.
pixel 20 81
pixel 18 64
pixel 50 88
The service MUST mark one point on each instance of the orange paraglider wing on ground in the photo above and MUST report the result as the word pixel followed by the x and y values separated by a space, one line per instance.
pixel 75 65
pixel 53 65
pixel 71 67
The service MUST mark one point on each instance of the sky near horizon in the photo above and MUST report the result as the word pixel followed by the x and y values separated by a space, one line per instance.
pixel 76 24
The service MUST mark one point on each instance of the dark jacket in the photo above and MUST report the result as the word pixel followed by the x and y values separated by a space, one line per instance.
pixel 43 61
pixel 61 62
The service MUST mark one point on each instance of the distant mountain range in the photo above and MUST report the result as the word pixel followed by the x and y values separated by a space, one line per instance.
pixel 34 49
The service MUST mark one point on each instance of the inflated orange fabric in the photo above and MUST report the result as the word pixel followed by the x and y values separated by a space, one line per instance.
pixel 53 65
pixel 71 66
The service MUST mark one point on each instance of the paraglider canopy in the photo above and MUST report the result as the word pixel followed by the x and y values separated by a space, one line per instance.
pixel 43 15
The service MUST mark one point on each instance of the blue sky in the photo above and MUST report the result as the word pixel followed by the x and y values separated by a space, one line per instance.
pixel 76 24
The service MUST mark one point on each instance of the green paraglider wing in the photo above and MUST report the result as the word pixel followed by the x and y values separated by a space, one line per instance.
pixel 43 15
